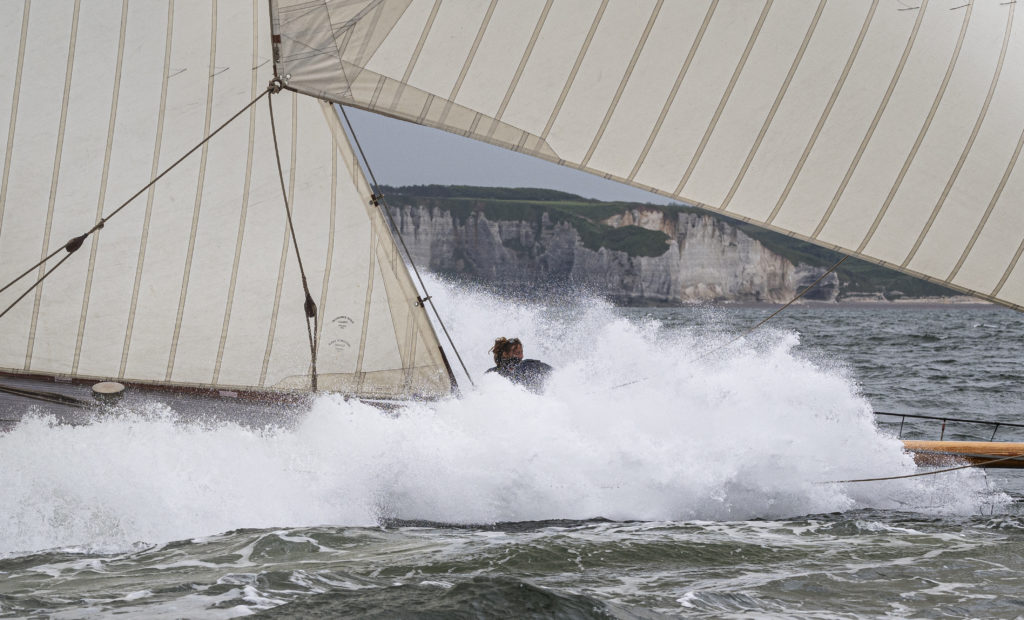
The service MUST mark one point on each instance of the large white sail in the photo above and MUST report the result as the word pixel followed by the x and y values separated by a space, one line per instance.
pixel 888 130
pixel 195 283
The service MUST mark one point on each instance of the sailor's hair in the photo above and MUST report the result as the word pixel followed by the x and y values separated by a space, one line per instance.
pixel 503 346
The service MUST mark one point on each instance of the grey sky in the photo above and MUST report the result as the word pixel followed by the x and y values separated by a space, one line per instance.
pixel 404 153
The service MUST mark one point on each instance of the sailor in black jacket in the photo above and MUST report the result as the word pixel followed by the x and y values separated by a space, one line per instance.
pixel 509 363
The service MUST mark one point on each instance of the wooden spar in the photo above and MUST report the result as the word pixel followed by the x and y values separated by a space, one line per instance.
pixel 943 453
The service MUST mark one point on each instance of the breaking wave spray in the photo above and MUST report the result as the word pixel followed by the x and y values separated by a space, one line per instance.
pixel 638 422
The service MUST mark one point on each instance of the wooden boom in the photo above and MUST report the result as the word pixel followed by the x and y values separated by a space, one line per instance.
pixel 980 453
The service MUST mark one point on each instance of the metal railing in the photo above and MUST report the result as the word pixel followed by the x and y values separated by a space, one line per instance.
pixel 903 417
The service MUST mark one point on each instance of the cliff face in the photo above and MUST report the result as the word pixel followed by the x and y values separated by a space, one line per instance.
pixel 704 258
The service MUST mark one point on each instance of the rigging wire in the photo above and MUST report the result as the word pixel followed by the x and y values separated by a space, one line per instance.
pixel 773 314
pixel 309 306
pixel 76 242
pixel 378 201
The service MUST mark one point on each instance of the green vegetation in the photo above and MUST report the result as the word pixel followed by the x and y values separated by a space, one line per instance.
pixel 516 204
pixel 529 205
pixel 855 275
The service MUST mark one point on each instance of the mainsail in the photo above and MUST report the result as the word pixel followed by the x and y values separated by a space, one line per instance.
pixel 196 282
pixel 888 130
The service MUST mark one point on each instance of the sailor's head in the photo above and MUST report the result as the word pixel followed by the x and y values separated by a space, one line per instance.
pixel 507 349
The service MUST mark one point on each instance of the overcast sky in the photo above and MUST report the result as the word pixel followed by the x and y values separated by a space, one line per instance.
pixel 404 153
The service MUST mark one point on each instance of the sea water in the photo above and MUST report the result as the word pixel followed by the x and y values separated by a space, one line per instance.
pixel 674 465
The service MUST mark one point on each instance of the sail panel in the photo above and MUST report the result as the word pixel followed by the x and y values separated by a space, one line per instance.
pixel 953 229
pixel 844 135
pixel 132 121
pixel 499 56
pixel 596 83
pixel 649 86
pixel 451 36
pixel 392 58
pixel 804 108
pixel 196 282
pixel 35 150
pixel 740 116
pixel 204 286
pixel 854 152
pixel 162 245
pixel 688 118
pixel 77 187
pixel 550 65
pixel 886 173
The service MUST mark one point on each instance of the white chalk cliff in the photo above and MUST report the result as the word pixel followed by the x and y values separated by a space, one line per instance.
pixel 704 258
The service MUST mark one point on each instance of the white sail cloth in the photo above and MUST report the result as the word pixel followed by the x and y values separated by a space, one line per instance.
pixel 887 130
pixel 195 283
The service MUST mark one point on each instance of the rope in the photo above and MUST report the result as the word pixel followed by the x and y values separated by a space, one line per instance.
pixel 378 201
pixel 309 305
pixel 76 242
pixel 50 397
pixel 774 314
pixel 927 473
pixel 33 287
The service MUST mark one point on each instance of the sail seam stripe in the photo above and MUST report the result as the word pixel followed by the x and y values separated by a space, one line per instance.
pixel 198 204
pixel 675 90
pixel 623 82
pixel 999 190
pixel 94 246
pixel 154 169
pixel 575 69
pixel 725 97
pixel 409 356
pixel 287 237
pixel 272 328
pixel 522 64
pixel 837 196
pixel 797 60
pixel 1006 175
pixel 246 189
pixel 963 157
pixel 468 62
pixel 392 258
pixel 329 259
pixel 367 304
pixel 412 353
pixel 15 100
pixel 920 138
pixel 416 53
pixel 54 181
pixel 836 90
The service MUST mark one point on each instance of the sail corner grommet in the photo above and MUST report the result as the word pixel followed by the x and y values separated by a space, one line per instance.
pixel 276 85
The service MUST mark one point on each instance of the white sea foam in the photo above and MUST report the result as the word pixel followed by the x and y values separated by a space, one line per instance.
pixel 747 432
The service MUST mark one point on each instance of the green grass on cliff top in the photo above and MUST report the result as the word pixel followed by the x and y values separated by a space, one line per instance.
pixel 515 204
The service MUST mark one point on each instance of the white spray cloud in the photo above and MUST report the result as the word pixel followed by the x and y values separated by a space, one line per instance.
pixel 749 431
